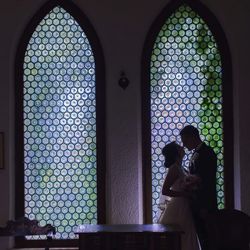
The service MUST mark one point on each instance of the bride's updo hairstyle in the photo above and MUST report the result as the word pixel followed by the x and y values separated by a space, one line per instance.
pixel 170 152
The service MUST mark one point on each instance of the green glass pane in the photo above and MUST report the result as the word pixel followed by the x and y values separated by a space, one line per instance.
pixel 185 89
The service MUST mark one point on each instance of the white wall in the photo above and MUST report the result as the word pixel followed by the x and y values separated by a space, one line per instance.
pixel 122 27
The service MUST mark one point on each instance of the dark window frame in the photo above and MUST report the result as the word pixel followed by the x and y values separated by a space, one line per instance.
pixel 85 24
pixel 227 95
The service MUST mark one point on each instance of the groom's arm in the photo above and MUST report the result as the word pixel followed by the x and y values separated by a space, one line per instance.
pixel 172 176
pixel 207 172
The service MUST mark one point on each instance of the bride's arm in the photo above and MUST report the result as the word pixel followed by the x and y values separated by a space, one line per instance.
pixel 172 175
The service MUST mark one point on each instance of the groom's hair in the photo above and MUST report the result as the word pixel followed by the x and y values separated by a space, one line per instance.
pixel 190 130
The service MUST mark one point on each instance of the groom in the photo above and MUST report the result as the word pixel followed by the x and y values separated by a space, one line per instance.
pixel 204 165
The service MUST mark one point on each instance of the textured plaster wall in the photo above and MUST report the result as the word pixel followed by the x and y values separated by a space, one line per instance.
pixel 122 27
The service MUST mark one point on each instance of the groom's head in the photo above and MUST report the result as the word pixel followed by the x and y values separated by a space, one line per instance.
pixel 190 137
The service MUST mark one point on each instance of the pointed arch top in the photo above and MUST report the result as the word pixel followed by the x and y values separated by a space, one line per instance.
pixel 94 42
pixel 214 26
pixel 203 11
pixel 71 8
pixel 77 14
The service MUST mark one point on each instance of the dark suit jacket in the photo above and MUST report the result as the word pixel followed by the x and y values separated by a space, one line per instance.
pixel 205 166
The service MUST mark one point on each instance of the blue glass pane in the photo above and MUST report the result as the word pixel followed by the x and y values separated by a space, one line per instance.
pixel 186 88
pixel 60 125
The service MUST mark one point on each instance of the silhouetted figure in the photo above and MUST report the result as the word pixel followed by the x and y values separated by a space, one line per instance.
pixel 203 164
pixel 177 187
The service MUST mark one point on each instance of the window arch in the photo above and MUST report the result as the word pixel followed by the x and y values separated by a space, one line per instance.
pixel 60 119
pixel 187 81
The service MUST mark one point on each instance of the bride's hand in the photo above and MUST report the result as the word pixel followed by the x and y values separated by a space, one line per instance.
pixel 191 182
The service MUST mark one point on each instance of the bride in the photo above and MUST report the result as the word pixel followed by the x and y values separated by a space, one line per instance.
pixel 177 186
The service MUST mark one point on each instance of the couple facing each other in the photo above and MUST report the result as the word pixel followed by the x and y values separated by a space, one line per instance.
pixel 192 195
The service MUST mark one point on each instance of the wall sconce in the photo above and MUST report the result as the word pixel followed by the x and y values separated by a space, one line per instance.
pixel 123 81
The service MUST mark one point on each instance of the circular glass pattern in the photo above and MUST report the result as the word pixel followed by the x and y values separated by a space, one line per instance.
pixel 186 78
pixel 60 125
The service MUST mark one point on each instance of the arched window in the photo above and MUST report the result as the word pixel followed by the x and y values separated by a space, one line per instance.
pixel 185 84
pixel 60 101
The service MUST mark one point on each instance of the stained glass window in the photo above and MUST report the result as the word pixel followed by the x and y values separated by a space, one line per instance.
pixel 186 88
pixel 60 174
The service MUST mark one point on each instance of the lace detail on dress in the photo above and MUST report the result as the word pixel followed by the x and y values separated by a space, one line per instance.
pixel 177 211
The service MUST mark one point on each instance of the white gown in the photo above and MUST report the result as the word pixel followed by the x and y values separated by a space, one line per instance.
pixel 178 212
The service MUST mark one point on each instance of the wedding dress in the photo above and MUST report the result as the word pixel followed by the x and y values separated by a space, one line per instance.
pixel 177 211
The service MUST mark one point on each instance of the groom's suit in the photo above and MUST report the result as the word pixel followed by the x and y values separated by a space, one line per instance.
pixel 204 165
